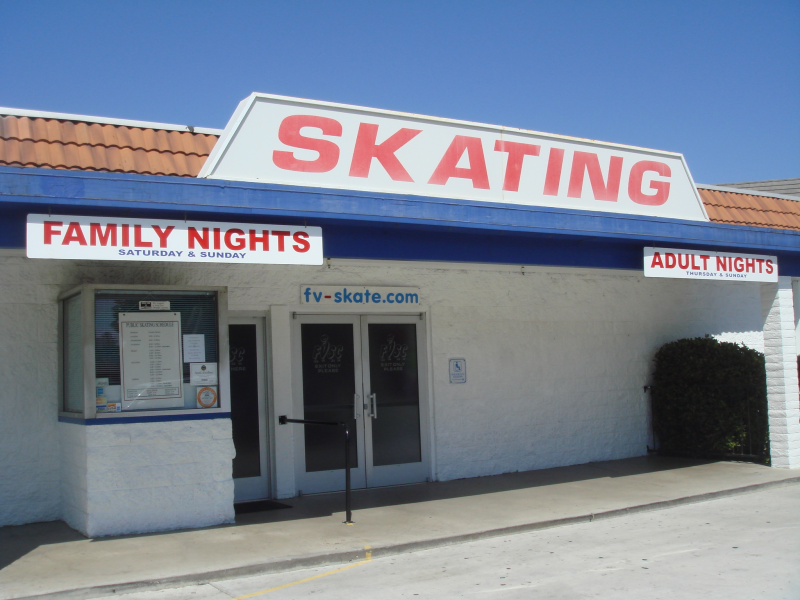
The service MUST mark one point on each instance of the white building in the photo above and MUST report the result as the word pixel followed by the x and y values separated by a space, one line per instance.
pixel 471 300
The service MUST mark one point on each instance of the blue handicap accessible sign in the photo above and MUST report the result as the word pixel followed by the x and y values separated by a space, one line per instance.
pixel 458 370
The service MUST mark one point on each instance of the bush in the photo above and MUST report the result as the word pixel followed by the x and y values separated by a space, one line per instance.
pixel 710 397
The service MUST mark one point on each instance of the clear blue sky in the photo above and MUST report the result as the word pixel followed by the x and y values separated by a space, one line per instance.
pixel 717 81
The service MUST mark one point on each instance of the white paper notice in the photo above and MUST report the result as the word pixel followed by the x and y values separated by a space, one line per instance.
pixel 203 374
pixel 150 357
pixel 194 348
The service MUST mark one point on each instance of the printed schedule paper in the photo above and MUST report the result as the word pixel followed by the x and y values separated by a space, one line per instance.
pixel 194 348
pixel 150 356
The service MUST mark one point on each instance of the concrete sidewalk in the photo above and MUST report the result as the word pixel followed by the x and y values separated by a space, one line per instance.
pixel 51 560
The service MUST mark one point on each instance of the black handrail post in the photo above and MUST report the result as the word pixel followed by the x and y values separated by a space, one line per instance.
pixel 284 420
pixel 348 513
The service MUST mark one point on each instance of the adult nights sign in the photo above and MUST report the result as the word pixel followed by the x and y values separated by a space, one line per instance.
pixel 715 266
pixel 117 238
pixel 319 144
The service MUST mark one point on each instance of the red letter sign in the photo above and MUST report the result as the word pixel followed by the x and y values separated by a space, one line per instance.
pixel 516 153
pixel 587 161
pixel 477 163
pixel 366 149
pixel 661 187
pixel 289 134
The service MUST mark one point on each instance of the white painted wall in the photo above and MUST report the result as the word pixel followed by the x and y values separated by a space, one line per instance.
pixel 139 477
pixel 74 484
pixel 781 364
pixel 30 467
pixel 156 476
pixel 556 358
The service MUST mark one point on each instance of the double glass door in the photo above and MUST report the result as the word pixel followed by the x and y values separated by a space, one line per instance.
pixel 366 371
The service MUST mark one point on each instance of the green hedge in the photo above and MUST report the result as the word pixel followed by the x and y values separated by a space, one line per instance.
pixel 710 397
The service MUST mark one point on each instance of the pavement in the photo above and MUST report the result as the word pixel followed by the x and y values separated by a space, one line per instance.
pixel 736 548
pixel 50 560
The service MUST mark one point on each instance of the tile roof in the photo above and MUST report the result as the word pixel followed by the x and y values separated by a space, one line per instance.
pixel 62 144
pixel 57 141
pixel 751 209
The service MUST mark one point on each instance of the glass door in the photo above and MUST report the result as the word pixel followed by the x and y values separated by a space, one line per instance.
pixel 327 384
pixel 396 427
pixel 248 408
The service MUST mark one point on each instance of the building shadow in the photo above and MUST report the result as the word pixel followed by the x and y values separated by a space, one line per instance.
pixel 324 505
pixel 17 541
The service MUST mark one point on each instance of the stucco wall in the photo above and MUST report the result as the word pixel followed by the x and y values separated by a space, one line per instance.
pixel 149 476
pixel 556 363
pixel 556 358
pixel 73 463
pixel 30 468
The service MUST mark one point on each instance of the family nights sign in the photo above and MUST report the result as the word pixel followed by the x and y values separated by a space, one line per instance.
pixel 298 142
pixel 107 238
pixel 717 266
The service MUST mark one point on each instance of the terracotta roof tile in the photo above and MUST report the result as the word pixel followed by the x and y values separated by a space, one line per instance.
pixel 752 210
pixel 75 145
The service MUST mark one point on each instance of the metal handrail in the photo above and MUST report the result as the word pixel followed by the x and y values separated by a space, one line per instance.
pixel 284 420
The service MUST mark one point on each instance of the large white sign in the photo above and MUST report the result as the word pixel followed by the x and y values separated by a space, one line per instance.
pixel 306 143
pixel 121 238
pixel 150 360
pixel 715 266
pixel 355 294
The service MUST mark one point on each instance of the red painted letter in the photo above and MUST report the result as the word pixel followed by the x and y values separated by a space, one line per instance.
pixel 516 154
pixel 163 235
pixel 137 238
pixel 281 235
pixel 196 237
pixel 366 149
pixel 263 238
pixel 74 234
pixel 301 241
pixel 552 179
pixel 586 161
pixel 235 244
pixel 96 234
pixel 289 134
pixel 477 163
pixel 657 262
pixel 661 187
pixel 49 232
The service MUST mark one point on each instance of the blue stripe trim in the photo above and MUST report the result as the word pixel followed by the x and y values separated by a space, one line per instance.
pixel 145 419
pixel 360 225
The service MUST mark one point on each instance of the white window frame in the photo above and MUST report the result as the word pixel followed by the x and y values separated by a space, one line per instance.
pixel 87 292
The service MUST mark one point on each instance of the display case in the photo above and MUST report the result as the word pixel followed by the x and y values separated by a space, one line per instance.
pixel 143 350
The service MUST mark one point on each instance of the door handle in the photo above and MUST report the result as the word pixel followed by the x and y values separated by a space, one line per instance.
pixel 356 399
pixel 374 402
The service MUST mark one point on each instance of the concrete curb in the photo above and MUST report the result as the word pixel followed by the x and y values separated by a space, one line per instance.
pixel 334 558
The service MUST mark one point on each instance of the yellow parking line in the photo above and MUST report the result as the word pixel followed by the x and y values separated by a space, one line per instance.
pixel 367 558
